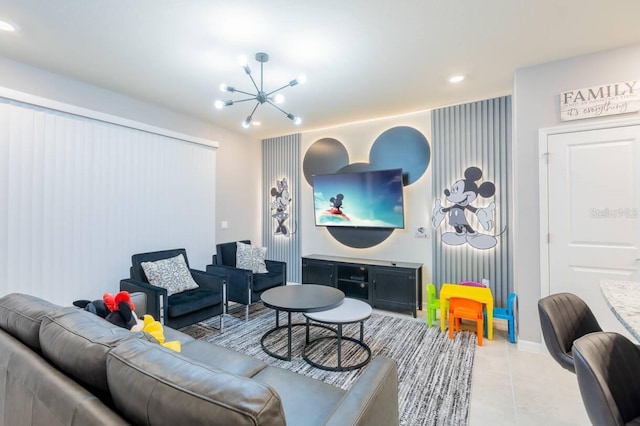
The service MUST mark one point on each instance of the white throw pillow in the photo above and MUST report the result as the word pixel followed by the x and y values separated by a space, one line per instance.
pixel 171 273
pixel 251 257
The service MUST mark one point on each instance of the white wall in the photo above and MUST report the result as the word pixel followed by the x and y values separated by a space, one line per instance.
pixel 536 104
pixel 238 174
pixel 239 183
pixel 401 246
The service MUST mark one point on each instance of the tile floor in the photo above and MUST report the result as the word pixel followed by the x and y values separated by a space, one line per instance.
pixel 514 387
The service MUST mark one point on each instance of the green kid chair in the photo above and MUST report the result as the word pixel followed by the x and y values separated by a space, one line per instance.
pixel 432 304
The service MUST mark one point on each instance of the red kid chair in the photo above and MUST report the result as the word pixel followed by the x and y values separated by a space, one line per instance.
pixel 460 308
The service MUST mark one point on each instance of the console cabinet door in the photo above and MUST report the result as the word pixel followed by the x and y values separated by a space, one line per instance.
pixel 318 272
pixel 394 289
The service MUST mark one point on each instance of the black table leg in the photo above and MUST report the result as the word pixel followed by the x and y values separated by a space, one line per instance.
pixel 308 347
pixel 289 327
pixel 339 345
pixel 289 338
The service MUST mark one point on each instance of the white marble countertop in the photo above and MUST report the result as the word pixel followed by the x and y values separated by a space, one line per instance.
pixel 623 297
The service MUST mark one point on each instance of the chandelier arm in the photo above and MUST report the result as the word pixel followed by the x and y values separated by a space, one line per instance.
pixel 252 98
pixel 254 82
pixel 254 109
pixel 277 90
pixel 278 108
pixel 244 93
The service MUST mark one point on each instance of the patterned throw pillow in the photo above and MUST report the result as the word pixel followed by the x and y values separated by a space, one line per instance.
pixel 251 257
pixel 171 273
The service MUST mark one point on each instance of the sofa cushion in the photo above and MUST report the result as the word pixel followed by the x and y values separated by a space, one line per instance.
pixel 172 274
pixel 34 392
pixel 222 358
pixel 153 385
pixel 251 258
pixel 78 342
pixel 21 315
pixel 306 401
pixel 190 301
pixel 172 334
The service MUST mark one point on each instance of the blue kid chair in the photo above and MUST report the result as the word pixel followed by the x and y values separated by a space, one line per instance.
pixel 510 314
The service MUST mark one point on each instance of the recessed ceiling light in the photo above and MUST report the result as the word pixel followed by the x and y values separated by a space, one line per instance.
pixel 5 26
pixel 457 78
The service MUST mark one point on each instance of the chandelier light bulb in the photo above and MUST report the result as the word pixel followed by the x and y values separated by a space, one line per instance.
pixel 279 98
pixel 223 87
pixel 302 79
pixel 5 26
pixel 246 122
pixel 219 104
pixel 297 120
pixel 243 61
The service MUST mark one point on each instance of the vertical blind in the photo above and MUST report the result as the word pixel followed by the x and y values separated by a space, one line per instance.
pixel 281 159
pixel 79 196
pixel 475 134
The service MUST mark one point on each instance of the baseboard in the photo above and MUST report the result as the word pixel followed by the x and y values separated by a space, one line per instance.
pixel 527 346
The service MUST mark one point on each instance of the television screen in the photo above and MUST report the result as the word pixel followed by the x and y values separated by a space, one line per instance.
pixel 371 199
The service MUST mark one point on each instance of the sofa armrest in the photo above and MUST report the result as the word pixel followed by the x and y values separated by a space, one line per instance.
pixel 154 294
pixel 139 300
pixel 372 400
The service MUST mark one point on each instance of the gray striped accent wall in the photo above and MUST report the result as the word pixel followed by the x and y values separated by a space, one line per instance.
pixel 475 134
pixel 281 159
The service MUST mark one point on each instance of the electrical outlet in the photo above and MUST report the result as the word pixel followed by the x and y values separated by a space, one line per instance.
pixel 224 225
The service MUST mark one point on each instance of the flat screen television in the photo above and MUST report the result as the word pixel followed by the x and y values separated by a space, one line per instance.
pixel 370 199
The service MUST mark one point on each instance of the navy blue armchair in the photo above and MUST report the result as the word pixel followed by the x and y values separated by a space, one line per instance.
pixel 181 309
pixel 243 286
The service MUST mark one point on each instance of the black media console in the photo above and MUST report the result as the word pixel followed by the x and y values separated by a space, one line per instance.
pixel 394 286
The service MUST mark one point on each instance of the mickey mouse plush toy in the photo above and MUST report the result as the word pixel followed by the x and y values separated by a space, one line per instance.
pixel 118 310
pixel 463 192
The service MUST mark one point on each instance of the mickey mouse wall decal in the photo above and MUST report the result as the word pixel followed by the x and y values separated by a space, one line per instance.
pixel 280 204
pixel 463 192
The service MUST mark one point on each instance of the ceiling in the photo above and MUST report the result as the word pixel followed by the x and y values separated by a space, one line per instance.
pixel 363 58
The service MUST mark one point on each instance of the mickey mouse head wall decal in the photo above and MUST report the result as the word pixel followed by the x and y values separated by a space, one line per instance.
pixel 399 147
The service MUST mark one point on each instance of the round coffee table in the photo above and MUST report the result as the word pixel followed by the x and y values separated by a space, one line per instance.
pixel 297 298
pixel 351 311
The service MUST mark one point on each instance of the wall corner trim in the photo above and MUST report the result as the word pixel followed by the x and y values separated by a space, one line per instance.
pixel 100 116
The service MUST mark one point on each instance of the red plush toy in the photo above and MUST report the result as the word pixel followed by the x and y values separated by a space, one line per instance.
pixel 122 310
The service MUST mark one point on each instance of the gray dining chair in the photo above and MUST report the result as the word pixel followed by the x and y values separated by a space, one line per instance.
pixel 607 367
pixel 565 317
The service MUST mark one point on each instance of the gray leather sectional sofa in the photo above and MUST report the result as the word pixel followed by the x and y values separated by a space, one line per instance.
pixel 65 366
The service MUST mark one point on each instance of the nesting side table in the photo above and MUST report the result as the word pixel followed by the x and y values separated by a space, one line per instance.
pixel 351 311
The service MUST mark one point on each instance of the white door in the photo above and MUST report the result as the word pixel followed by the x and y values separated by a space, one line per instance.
pixel 594 208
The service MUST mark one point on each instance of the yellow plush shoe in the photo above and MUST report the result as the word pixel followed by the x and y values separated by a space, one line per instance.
pixel 155 329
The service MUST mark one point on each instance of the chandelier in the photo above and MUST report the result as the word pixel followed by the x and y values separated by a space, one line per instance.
pixel 261 96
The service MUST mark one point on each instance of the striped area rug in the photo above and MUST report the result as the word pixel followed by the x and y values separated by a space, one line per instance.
pixel 434 371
